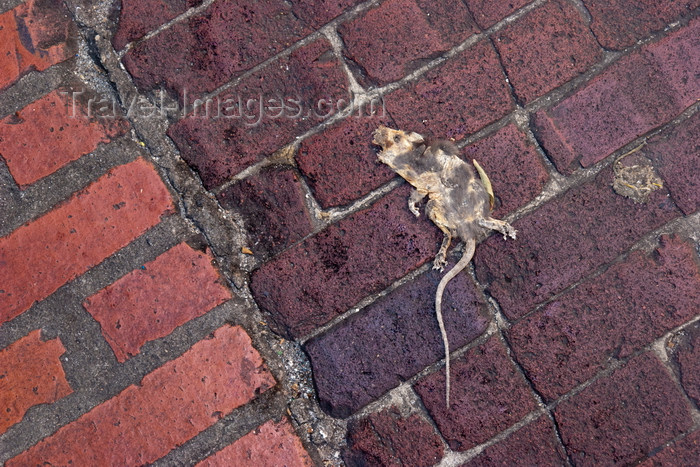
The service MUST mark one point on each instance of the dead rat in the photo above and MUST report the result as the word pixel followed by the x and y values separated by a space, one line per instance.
pixel 458 202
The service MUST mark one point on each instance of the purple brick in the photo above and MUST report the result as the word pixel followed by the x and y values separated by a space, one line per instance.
pixel 683 452
pixel 619 23
pixel 565 239
pixel 386 438
pixel 318 12
pixel 515 168
pixel 488 395
pixel 272 206
pixel 392 340
pixel 546 48
pixel 316 280
pixel 636 94
pixel 608 317
pixel 341 153
pixel 533 444
pixel 487 12
pixel 455 99
pixel 398 36
pixel 229 37
pixel 221 147
pixel 621 417
pixel 136 18
pixel 686 356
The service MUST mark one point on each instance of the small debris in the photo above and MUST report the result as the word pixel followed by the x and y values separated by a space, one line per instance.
pixel 636 181
pixel 246 251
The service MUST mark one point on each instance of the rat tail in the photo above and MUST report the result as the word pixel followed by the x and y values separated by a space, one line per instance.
pixel 461 264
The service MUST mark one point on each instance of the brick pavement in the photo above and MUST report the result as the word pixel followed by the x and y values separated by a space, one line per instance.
pixel 203 263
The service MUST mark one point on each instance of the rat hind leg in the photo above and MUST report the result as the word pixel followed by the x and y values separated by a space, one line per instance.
pixel 501 226
pixel 435 215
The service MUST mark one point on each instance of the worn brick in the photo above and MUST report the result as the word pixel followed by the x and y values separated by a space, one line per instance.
pixel 683 452
pixel 464 94
pixel 316 13
pixel 533 444
pixel 686 356
pixel 621 417
pixel 30 374
pixel 546 48
pixel 488 395
pixel 34 36
pixel 340 153
pixel 387 438
pixel 487 13
pixel 515 168
pixel 398 36
pixel 136 18
pixel 638 93
pixel 607 317
pixel 44 254
pixel 150 302
pixel 171 404
pixel 618 24
pixel 307 87
pixel 565 239
pixel 272 204
pixel 391 340
pixel 51 132
pixel 316 280
pixel 270 444
pixel 229 37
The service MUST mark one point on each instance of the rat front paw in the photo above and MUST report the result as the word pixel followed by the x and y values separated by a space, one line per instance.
pixel 439 263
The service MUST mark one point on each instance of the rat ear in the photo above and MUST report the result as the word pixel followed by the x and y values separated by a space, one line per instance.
pixel 414 138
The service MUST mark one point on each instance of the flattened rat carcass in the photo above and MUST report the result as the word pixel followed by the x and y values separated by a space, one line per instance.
pixel 458 202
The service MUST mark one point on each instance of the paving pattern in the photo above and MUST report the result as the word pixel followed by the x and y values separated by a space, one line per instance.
pixel 202 261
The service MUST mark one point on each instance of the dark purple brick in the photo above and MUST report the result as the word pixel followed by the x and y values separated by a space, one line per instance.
pixel 676 155
pixel 455 99
pixel 533 444
pixel 686 356
pixel 344 152
pixel 631 97
pixel 394 38
pixel 392 340
pixel 272 205
pixel 229 37
pixel 620 418
pixel 546 48
pixel 607 317
pixel 316 280
pixel 487 12
pixel 136 18
pixel 221 147
pixel 561 242
pixel 386 438
pixel 318 12
pixel 488 395
pixel 683 452
pixel 513 165
pixel 619 23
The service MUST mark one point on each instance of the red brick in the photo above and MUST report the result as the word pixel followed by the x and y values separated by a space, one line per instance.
pixel 316 13
pixel 565 239
pixel 270 444
pixel 229 37
pixel 340 153
pixel 272 204
pixel 620 418
pixel 456 99
pixel 44 254
pixel 518 177
pixel 686 356
pixel 137 18
pixel 392 340
pixel 34 36
pixel 487 12
pixel 387 438
pixel 533 444
pixel 618 24
pixel 488 395
pixel 398 36
pixel 150 302
pixel 546 48
pixel 220 148
pixel 683 452
pixel 168 407
pixel 316 280
pixel 608 317
pixel 30 374
pixel 51 132
pixel 634 95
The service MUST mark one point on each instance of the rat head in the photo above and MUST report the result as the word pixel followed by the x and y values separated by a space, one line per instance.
pixel 395 143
